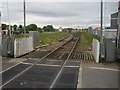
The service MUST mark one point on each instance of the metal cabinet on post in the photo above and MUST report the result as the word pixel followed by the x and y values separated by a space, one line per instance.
pixel 110 49
pixel 7 46
pixel 36 38
pixel 4 46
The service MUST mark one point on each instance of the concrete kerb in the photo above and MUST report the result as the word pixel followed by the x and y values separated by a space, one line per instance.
pixel 79 85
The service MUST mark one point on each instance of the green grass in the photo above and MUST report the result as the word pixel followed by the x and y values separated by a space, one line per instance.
pixel 87 39
pixel 47 38
pixel 20 35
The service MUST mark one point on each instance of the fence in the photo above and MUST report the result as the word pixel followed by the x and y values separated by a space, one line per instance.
pixel 110 33
pixel 23 46
pixel 107 33
pixel 96 50
pixel 95 32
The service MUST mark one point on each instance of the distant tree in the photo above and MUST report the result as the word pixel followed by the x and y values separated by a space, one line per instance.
pixel 15 27
pixel 39 29
pixel 31 27
pixel 4 26
pixel 27 29
pixel 69 28
pixel 45 29
pixel 48 28
pixel 21 28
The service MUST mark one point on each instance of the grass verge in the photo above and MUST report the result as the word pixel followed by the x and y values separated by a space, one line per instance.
pixel 15 36
pixel 49 37
pixel 86 39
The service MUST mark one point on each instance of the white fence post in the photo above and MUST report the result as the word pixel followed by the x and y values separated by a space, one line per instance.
pixel 15 48
pixel 96 50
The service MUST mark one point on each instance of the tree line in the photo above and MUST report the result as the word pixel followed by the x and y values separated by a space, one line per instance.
pixel 30 27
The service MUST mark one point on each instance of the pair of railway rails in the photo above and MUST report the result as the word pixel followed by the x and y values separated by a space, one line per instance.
pixel 57 69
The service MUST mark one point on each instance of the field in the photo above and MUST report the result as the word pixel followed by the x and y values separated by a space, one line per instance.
pixel 49 37
pixel 86 39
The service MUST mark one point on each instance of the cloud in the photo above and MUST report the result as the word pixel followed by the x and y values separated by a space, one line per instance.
pixel 62 9
pixel 64 0
pixel 64 14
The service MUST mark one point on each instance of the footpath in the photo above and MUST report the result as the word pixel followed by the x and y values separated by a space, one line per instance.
pixel 96 75
pixel 102 75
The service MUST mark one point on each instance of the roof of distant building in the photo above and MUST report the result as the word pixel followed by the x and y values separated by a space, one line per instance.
pixel 60 28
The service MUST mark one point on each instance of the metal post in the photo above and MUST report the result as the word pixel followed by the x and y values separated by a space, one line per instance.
pixel 9 28
pixel 0 47
pixel 101 38
pixel 24 19
pixel 102 21
pixel 118 37
pixel 0 31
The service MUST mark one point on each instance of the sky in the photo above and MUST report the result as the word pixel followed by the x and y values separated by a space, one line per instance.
pixel 58 13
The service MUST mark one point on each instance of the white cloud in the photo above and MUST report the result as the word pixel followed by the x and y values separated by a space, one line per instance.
pixel 65 14
pixel 63 0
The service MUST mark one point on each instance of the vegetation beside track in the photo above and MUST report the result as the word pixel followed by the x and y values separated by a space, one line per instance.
pixel 49 37
pixel 86 39
pixel 19 35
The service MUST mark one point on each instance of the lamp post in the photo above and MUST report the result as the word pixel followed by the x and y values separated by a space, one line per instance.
pixel 101 25
pixel 101 20
pixel 9 27
pixel 24 18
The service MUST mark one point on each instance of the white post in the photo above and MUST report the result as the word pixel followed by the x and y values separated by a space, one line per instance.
pixel 15 48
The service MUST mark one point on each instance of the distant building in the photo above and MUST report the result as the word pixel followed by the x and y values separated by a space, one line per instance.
pixel 90 29
pixel 114 20
pixel 60 29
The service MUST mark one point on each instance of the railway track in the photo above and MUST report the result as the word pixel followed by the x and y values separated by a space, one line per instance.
pixel 57 69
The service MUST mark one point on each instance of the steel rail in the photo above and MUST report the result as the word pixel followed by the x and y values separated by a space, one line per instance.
pixel 62 67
